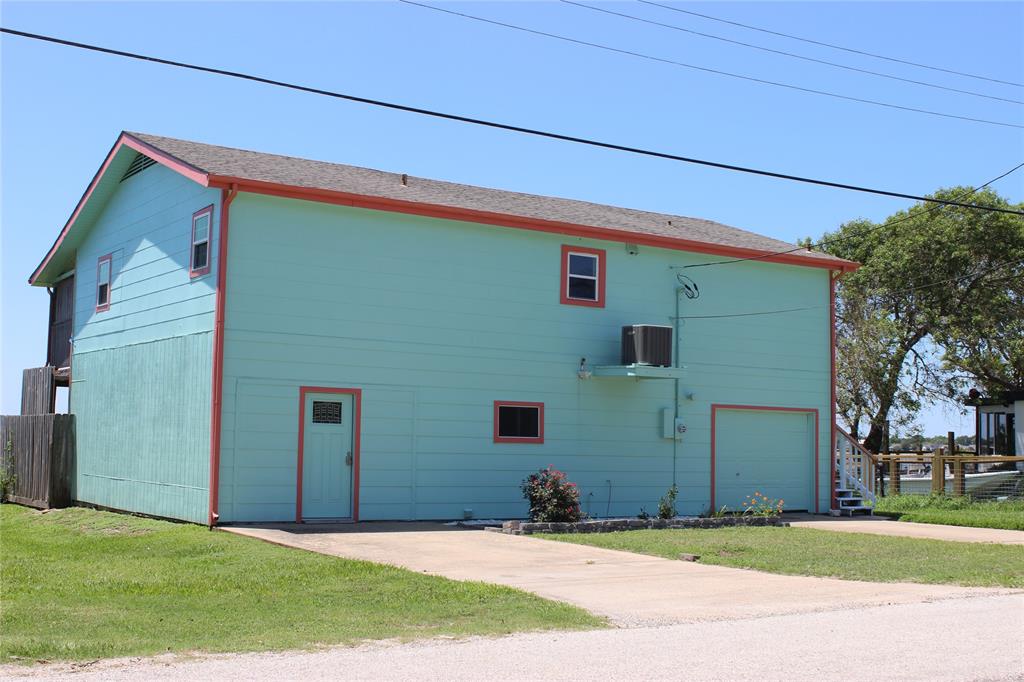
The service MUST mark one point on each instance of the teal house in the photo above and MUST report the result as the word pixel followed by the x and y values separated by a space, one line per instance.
pixel 251 338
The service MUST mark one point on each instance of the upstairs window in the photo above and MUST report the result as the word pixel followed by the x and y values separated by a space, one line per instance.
pixel 201 228
pixel 583 276
pixel 516 422
pixel 103 267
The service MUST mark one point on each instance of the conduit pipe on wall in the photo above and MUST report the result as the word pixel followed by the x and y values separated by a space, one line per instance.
pixel 677 365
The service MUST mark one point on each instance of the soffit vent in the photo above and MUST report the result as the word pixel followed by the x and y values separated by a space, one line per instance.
pixel 141 163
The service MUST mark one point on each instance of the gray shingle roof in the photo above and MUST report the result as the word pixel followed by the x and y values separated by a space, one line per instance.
pixel 320 175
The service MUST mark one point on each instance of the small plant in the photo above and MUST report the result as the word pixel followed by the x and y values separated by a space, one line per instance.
pixel 551 496
pixel 667 504
pixel 719 513
pixel 7 477
pixel 762 505
pixel 643 515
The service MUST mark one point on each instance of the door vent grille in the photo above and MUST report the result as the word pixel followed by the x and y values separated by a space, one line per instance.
pixel 141 163
pixel 326 412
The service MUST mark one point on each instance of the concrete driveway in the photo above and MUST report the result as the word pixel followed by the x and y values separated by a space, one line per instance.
pixel 630 589
pixel 877 525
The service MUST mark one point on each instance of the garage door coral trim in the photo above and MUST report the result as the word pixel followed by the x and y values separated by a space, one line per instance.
pixel 766 408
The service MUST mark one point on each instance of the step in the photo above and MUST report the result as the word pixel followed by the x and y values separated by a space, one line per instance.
pixel 850 511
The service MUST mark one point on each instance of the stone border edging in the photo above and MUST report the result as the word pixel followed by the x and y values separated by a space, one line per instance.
pixel 612 525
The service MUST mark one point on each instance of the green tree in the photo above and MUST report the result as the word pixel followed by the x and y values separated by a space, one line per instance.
pixel 936 305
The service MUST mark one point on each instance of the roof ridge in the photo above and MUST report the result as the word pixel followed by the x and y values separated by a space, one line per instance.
pixel 155 140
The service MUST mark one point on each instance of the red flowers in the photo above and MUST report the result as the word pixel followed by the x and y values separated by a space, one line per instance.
pixel 552 498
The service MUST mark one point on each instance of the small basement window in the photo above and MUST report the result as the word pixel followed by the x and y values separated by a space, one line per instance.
pixel 583 276
pixel 517 422
pixel 201 228
pixel 103 268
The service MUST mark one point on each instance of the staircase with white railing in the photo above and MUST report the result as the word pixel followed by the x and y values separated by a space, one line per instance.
pixel 855 476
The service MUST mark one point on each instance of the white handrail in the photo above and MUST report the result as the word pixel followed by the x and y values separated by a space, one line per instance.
pixel 855 466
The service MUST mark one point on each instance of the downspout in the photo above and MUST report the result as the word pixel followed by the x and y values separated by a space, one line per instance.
pixel 217 391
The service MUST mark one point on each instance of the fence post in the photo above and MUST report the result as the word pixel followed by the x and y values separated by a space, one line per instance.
pixel 894 476
pixel 959 482
pixel 938 472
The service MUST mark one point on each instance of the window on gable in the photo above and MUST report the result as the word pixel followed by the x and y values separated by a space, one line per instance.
pixel 517 422
pixel 201 228
pixel 103 268
pixel 583 276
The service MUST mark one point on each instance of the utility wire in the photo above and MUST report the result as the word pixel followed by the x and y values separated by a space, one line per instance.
pixel 891 293
pixel 831 45
pixel 861 233
pixel 718 72
pixel 499 126
pixel 788 54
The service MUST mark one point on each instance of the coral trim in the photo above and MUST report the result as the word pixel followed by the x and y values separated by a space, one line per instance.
pixel 509 439
pixel 357 408
pixel 109 260
pixel 192 270
pixel 504 220
pixel 123 140
pixel 601 255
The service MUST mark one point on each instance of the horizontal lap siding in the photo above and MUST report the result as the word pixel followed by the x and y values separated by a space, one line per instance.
pixel 141 370
pixel 435 320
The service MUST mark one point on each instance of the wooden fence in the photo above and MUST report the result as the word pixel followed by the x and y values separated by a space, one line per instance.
pixel 38 458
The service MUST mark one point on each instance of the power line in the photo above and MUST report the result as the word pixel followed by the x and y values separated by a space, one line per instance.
pixel 501 126
pixel 718 72
pixel 831 45
pixel 892 293
pixel 788 54
pixel 861 233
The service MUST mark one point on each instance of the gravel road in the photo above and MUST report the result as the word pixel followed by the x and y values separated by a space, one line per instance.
pixel 970 638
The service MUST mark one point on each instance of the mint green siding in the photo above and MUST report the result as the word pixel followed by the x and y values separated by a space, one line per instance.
pixel 435 320
pixel 141 370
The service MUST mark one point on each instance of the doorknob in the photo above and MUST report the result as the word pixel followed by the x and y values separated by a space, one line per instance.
pixel 348 458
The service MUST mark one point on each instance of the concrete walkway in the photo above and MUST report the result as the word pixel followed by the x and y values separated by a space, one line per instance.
pixel 630 589
pixel 973 639
pixel 876 525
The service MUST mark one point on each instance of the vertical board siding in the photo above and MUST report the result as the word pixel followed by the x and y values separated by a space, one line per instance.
pixel 143 427
pixel 435 320
pixel 142 369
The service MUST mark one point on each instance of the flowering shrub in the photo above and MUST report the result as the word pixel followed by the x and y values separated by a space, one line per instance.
pixel 551 496
pixel 762 505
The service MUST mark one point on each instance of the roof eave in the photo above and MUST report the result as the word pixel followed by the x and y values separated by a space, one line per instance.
pixel 125 139
pixel 521 222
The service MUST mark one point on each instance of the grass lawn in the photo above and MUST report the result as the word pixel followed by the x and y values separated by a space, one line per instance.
pixel 954 511
pixel 79 583
pixel 803 551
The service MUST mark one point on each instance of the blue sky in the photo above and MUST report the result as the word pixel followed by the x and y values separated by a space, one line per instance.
pixel 62 109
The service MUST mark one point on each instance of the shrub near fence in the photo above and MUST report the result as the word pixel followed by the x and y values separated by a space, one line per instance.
pixel 38 458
